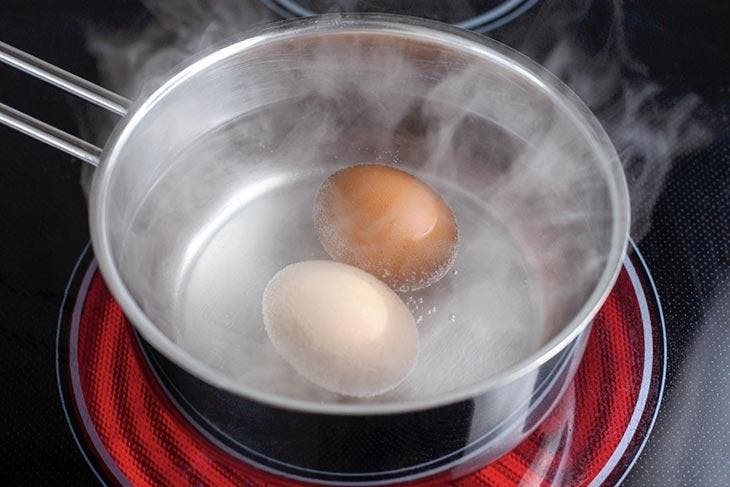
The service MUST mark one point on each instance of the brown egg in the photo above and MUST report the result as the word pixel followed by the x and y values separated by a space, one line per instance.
pixel 387 222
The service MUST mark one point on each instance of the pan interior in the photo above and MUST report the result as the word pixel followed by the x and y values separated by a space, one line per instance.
pixel 223 199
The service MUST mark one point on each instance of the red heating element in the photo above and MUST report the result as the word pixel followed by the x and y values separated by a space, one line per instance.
pixel 140 437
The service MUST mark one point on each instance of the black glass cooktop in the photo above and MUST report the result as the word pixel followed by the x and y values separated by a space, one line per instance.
pixel 656 73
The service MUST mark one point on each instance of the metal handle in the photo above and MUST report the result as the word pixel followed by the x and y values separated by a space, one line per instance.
pixel 68 82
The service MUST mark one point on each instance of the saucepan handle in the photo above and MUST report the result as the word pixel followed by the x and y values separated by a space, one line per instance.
pixel 66 81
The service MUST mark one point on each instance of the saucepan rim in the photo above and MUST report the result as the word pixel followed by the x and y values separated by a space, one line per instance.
pixel 386 24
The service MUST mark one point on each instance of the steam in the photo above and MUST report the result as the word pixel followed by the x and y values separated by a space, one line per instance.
pixel 452 11
pixel 131 60
pixel 649 127
pixel 648 131
pixel 546 195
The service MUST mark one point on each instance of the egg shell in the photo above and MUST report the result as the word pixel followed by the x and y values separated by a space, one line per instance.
pixel 388 223
pixel 340 327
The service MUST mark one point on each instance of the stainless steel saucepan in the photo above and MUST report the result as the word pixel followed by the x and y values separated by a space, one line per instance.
pixel 205 189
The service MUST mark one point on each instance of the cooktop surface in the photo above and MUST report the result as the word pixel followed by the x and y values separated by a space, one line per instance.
pixel 654 73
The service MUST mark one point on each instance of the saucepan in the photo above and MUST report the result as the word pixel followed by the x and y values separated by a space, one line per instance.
pixel 205 188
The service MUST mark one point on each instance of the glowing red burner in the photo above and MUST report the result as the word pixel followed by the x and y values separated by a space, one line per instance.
pixel 593 434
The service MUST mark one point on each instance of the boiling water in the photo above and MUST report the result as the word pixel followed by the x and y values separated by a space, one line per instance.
pixel 255 216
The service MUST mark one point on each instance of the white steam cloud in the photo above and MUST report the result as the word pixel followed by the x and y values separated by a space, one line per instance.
pixel 649 128
pixel 537 179
pixel 648 134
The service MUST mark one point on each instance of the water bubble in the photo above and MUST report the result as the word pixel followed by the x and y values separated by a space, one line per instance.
pixel 452 317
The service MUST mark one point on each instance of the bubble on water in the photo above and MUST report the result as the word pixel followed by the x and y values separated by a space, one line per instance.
pixel 452 317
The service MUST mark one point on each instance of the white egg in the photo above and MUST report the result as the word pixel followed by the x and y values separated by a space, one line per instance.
pixel 340 327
